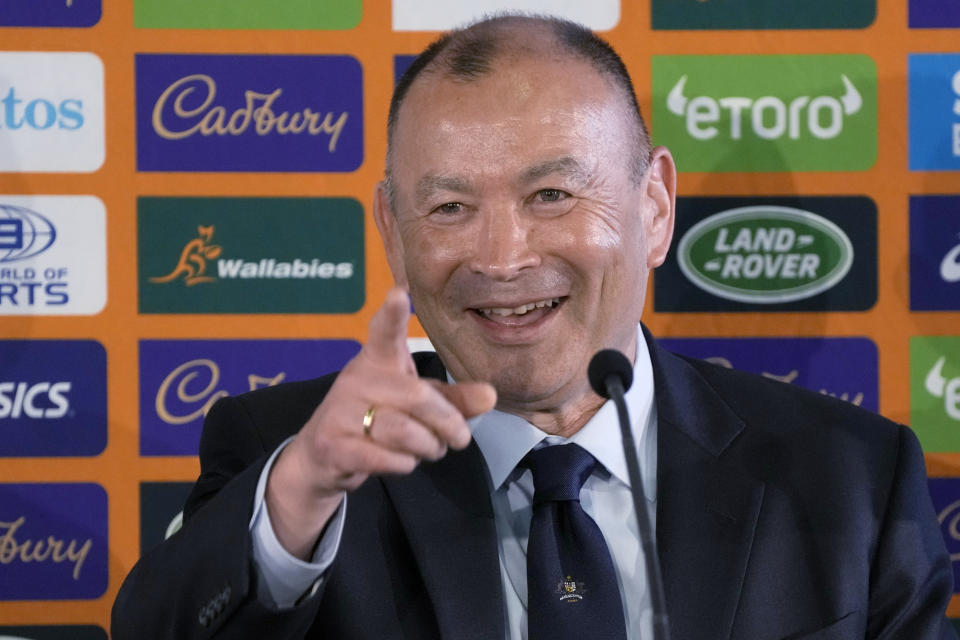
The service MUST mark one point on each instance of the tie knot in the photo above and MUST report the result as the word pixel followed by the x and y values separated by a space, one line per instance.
pixel 559 471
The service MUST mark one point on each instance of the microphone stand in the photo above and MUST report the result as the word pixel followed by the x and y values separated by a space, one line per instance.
pixel 661 626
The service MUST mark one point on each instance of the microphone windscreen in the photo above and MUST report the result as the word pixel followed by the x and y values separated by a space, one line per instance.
pixel 605 363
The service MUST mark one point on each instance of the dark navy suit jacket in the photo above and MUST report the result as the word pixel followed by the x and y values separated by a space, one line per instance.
pixel 781 514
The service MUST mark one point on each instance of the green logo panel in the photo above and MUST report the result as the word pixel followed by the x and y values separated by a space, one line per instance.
pixel 766 113
pixel 762 14
pixel 246 14
pixel 250 255
pixel 935 392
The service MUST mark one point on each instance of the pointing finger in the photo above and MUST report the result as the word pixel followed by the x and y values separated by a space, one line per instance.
pixel 387 340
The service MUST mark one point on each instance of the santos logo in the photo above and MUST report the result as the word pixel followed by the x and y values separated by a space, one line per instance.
pixel 766 113
pixel 40 400
pixel 52 263
pixel 51 112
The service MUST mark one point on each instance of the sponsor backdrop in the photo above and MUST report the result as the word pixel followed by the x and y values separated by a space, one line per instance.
pixel 185 213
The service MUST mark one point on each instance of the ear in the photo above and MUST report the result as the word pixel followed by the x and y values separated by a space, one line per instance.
pixel 661 198
pixel 389 230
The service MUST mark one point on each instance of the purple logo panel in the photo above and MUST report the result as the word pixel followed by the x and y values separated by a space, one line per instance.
pixel 934 253
pixel 845 368
pixel 249 113
pixel 181 379
pixel 53 398
pixel 53 541
pixel 934 14
pixel 945 493
pixel 49 13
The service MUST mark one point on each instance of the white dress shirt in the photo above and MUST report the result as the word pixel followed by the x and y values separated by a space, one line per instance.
pixel 504 439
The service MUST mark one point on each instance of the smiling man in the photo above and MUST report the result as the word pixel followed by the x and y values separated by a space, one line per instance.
pixel 481 492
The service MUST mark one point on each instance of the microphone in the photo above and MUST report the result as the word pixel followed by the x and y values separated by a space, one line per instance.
pixel 611 375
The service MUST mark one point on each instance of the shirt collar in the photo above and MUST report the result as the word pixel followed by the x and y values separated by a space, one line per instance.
pixel 504 439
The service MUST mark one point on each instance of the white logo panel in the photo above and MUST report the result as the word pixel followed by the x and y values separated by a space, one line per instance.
pixel 53 255
pixel 441 15
pixel 51 112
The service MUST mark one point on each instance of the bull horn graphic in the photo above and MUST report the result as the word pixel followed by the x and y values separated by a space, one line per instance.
pixel 676 101
pixel 935 382
pixel 851 98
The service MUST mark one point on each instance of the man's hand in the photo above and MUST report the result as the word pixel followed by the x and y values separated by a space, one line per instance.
pixel 414 419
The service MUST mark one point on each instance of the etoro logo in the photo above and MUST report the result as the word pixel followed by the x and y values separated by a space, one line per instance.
pixel 767 117
pixel 938 386
pixel 765 254
pixel 766 113
pixel 935 391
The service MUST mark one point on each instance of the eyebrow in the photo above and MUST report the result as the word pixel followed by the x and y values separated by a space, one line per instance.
pixel 567 166
pixel 431 184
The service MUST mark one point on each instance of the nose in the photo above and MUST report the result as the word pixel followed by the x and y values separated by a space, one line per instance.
pixel 503 247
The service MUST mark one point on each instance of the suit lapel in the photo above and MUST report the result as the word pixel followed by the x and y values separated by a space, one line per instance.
pixel 707 506
pixel 446 512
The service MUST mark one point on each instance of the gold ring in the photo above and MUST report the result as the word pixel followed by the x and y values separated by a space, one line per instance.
pixel 368 421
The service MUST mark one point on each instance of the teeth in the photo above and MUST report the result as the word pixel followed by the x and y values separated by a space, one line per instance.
pixel 522 309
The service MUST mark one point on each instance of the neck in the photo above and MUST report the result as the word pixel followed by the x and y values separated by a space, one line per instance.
pixel 564 421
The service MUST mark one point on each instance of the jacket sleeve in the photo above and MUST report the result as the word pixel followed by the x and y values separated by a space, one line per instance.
pixel 911 578
pixel 200 582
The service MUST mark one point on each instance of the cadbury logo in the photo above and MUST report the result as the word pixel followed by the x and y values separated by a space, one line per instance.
pixel 175 388
pixel 51 549
pixel 186 108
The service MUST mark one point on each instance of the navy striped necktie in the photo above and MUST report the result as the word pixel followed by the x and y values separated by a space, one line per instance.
pixel 571 584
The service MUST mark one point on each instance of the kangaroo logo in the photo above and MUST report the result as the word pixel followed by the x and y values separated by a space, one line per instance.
pixel 193 259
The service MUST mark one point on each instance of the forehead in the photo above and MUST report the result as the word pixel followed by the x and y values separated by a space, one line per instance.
pixel 525 110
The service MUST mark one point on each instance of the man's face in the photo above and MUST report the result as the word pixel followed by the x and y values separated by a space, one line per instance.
pixel 522 235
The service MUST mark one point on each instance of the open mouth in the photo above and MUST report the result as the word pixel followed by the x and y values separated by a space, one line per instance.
pixel 525 312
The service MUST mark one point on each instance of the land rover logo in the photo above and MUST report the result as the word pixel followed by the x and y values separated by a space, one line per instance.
pixel 765 254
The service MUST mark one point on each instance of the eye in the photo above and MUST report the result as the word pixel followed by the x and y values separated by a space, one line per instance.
pixel 551 195
pixel 449 208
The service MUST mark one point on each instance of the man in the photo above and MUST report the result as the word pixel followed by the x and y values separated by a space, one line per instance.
pixel 523 208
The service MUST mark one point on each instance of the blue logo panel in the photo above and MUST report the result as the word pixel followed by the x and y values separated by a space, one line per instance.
pixel 53 541
pixel 935 253
pixel 934 14
pixel 181 379
pixel 934 106
pixel 50 13
pixel 249 113
pixel 53 398
pixel 845 368
pixel 945 493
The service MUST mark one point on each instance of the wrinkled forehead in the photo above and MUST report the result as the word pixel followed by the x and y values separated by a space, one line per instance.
pixel 552 95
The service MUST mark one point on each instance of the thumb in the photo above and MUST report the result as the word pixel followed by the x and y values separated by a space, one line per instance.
pixel 387 340
pixel 470 398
